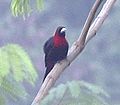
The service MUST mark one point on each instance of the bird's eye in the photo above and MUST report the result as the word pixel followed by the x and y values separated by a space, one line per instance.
pixel 63 30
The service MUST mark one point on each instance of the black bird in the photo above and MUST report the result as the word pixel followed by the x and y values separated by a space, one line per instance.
pixel 55 49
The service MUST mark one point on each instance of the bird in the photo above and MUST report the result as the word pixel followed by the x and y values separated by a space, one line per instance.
pixel 55 49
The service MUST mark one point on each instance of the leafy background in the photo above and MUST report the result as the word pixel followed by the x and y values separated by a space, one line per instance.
pixel 98 63
pixel 76 93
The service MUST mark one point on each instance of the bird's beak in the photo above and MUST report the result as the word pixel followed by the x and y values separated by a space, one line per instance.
pixel 63 30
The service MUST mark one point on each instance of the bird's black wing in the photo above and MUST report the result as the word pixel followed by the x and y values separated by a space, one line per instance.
pixel 48 47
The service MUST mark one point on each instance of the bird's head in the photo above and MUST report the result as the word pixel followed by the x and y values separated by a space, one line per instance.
pixel 60 31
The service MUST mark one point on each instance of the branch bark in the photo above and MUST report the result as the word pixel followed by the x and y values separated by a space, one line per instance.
pixel 88 32
pixel 100 19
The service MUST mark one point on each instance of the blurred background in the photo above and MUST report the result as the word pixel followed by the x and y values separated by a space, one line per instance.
pixel 99 63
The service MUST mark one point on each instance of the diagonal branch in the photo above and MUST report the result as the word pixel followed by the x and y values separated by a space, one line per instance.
pixel 100 19
pixel 76 48
pixel 88 22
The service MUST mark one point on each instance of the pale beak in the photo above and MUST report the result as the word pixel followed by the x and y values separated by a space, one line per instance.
pixel 63 30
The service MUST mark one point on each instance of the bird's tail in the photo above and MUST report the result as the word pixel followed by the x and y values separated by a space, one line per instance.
pixel 47 72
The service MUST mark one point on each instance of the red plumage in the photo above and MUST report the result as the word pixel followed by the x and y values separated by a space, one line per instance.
pixel 59 41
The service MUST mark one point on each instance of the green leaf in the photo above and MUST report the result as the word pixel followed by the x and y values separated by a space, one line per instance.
pixel 61 90
pixel 74 93
pixel 2 100
pixel 74 88
pixel 48 98
pixel 93 88
pixel 39 4
pixel 11 88
pixel 4 64
pixel 23 7
pixel 15 67
pixel 14 58
pixel 14 4
pixel 21 64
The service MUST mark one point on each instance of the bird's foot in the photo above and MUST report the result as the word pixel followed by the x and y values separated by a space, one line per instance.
pixel 60 61
pixel 67 60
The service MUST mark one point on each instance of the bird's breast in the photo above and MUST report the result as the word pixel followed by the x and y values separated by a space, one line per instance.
pixel 59 41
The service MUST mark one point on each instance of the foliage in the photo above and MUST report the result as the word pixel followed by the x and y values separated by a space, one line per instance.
pixel 23 7
pixel 76 93
pixel 15 67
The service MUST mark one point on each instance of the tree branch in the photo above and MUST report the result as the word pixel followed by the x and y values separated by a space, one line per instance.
pixel 76 48
pixel 91 15
pixel 100 19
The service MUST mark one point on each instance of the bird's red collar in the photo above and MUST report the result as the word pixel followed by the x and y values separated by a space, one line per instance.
pixel 59 41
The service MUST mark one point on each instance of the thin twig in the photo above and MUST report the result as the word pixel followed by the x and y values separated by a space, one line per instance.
pixel 99 19
pixel 88 22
